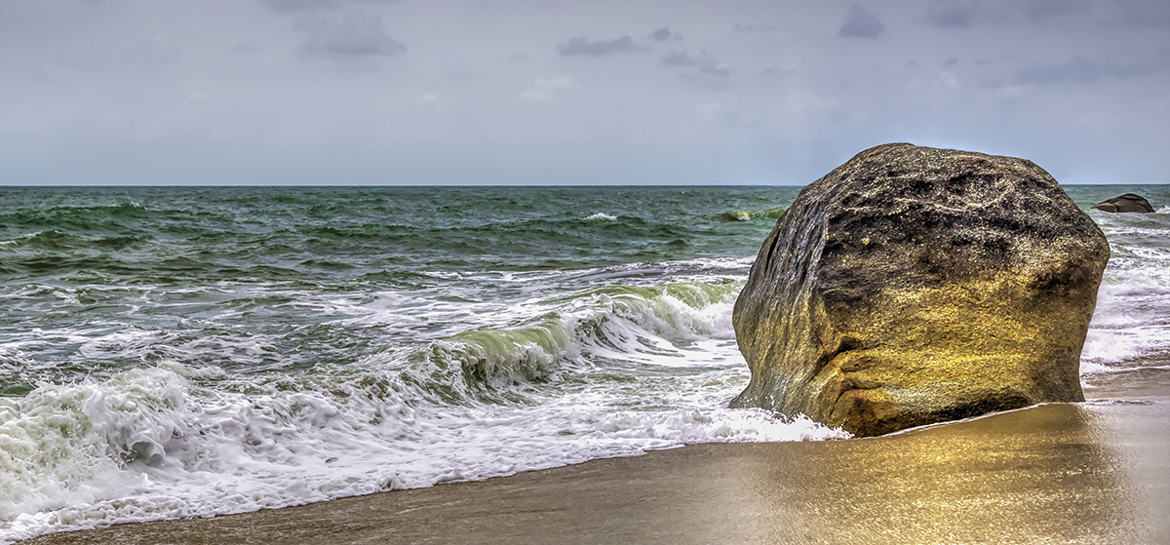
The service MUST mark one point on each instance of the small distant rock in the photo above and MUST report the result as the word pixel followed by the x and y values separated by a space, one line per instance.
pixel 1129 202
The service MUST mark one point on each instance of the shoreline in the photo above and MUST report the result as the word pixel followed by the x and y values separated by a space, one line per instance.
pixel 1073 473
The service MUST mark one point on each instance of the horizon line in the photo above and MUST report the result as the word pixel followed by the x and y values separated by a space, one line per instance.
pixel 714 184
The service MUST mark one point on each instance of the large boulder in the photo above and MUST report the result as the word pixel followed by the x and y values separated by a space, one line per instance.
pixel 914 285
pixel 1129 202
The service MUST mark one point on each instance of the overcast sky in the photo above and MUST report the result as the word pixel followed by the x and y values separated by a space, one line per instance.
pixel 552 92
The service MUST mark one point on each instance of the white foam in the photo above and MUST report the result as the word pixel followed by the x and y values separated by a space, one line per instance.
pixel 601 216
pixel 1132 318
pixel 150 444
pixel 177 441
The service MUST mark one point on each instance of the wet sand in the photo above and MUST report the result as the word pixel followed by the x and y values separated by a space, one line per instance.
pixel 1097 472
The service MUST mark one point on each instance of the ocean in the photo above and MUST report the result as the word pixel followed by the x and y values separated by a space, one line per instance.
pixel 171 352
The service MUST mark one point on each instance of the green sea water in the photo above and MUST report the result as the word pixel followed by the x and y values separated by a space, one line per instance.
pixel 180 351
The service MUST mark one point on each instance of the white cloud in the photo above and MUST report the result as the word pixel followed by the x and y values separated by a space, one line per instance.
pixel 547 89
pixel 704 63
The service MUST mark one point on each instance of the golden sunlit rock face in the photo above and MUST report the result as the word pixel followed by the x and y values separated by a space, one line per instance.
pixel 914 285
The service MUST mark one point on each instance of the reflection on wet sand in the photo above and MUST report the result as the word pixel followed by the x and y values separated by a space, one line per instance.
pixel 1090 473
pixel 1045 473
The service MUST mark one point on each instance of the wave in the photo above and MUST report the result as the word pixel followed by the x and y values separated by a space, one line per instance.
pixel 75 217
pixel 1130 322
pixel 748 215
pixel 151 444
pixel 534 226
pixel 620 323
pixel 176 441
pixel 58 240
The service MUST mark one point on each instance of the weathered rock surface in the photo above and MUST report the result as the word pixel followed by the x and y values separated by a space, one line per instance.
pixel 1129 202
pixel 914 285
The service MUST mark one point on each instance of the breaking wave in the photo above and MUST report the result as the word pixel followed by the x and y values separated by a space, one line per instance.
pixel 175 440
pixel 748 215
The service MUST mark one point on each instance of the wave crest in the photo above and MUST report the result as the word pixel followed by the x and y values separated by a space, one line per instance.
pixel 621 323
pixel 58 240
pixel 748 215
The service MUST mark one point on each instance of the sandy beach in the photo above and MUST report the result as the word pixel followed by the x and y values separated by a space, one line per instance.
pixel 1062 473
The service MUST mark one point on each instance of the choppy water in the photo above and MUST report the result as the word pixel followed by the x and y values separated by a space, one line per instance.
pixel 171 352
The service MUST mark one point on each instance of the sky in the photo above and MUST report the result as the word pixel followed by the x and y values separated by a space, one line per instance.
pixel 430 92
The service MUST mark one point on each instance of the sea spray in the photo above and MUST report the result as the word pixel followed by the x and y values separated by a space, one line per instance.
pixel 172 441
pixel 1131 321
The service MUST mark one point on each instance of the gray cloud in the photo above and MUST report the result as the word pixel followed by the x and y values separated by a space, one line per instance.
pixel 965 13
pixel 951 14
pixel 678 58
pixel 1080 70
pixel 350 36
pixel 1144 12
pixel 300 5
pixel 861 23
pixel 580 46
pixel 1040 10
pixel 288 6
pixel 752 28
pixel 714 70
pixel 664 34
pixel 703 64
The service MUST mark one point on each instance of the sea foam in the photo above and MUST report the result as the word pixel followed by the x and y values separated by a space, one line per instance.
pixel 553 388
pixel 1131 320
